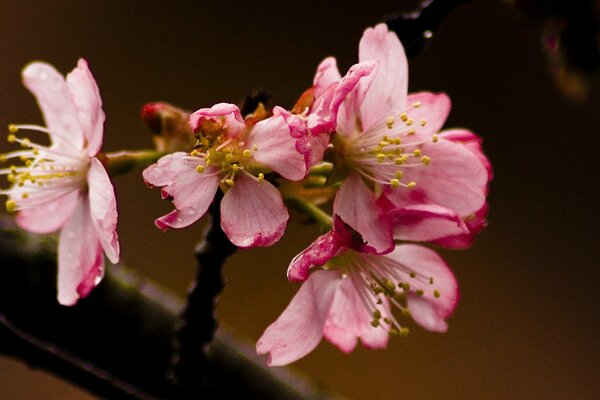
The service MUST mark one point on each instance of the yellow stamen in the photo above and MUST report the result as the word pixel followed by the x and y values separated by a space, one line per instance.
pixel 436 294
pixel 11 205
pixel 426 160
pixel 230 182
pixel 403 117
pixel 380 157
pixel 417 104
pixel 11 138
pixel 423 122
pixel 247 153
pixel 200 169
pixel 417 153
pixel 435 138
pixel 261 177
pixel 394 182
pixel 389 122
pixel 411 185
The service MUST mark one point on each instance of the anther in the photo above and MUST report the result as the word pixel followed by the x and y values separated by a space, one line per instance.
pixel 394 182
pixel 389 122
pixel 399 161
pixel 380 157
pixel 423 122
pixel 200 169
pixel 411 185
pixel 426 160
pixel 25 195
pixel 255 147
pixel 412 274
pixel 403 117
pixel 247 153
pixel 377 314
pixel 195 153
pixel 375 323
pixel 11 205
pixel 230 182
pixel 12 128
pixel 417 153
pixel 435 138
pixel 261 177
pixel 404 332
pixel 411 132
pixel 399 174
pixel 417 104
pixel 436 294
pixel 420 292
pixel 11 138
pixel 409 122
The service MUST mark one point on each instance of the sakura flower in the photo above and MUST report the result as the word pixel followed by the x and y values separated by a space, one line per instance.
pixel 388 141
pixel 353 296
pixel 235 156
pixel 313 118
pixel 64 186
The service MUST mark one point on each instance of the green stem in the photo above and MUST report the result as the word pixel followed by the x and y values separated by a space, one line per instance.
pixel 323 219
pixel 121 162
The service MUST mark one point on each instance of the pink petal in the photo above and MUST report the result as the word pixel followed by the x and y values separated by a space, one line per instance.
pixel 80 261
pixel 426 264
pixel 224 113
pixel 166 169
pixel 455 179
pixel 324 248
pixel 327 74
pixel 86 97
pixel 472 142
pixel 55 100
pixel 355 205
pixel 190 191
pixel 434 109
pixel 48 217
pixel 387 92
pixel 425 314
pixel 299 329
pixel 427 223
pixel 276 149
pixel 103 207
pixel 349 320
pixel 252 213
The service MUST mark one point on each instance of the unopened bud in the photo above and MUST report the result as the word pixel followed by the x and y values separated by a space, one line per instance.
pixel 170 127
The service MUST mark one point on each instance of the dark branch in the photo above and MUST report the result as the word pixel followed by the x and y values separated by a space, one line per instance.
pixel 416 29
pixel 116 343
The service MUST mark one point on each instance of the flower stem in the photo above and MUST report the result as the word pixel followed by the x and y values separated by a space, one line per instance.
pixel 121 162
pixel 323 219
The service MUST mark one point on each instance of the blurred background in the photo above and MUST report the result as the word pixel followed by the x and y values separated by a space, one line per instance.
pixel 527 326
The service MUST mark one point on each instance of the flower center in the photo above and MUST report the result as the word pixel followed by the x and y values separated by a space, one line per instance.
pixel 377 277
pixel 386 152
pixel 47 173
pixel 225 156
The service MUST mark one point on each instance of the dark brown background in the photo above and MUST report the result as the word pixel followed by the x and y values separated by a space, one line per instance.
pixel 527 325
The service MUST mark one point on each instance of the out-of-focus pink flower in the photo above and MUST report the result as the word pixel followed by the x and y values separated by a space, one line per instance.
pixel 236 157
pixel 354 294
pixel 388 141
pixel 64 186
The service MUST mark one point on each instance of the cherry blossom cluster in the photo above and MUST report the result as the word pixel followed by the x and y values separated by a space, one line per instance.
pixel 357 144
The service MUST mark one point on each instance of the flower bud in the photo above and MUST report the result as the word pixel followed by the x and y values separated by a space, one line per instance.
pixel 170 127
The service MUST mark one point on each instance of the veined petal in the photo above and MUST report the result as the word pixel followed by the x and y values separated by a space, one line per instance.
pixel 327 74
pixel 252 213
pixel 387 92
pixel 426 223
pixel 355 205
pixel 223 113
pixel 55 100
pixel 429 267
pixel 276 148
pixel 299 329
pixel 432 109
pixel 103 207
pixel 455 179
pixel 166 169
pixel 86 97
pixel 80 261
pixel 324 248
pixel 425 314
pixel 472 142
pixel 348 320
pixel 50 216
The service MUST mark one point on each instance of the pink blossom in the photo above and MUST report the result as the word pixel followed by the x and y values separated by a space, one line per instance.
pixel 235 156
pixel 388 141
pixel 353 296
pixel 64 186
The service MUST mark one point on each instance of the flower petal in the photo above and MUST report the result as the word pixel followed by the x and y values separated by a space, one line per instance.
pixel 50 216
pixel 54 99
pixel 225 114
pixel 103 207
pixel 433 110
pixel 427 223
pixel 86 97
pixel 455 179
pixel 425 314
pixel 80 261
pixel 355 205
pixel 327 74
pixel 472 142
pixel 387 92
pixel 299 329
pixel 276 149
pixel 442 294
pixel 324 248
pixel 165 170
pixel 348 320
pixel 252 213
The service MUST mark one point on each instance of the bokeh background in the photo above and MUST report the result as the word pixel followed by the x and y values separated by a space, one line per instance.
pixel 528 322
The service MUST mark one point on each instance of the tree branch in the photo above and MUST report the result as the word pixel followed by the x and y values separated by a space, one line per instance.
pixel 117 342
